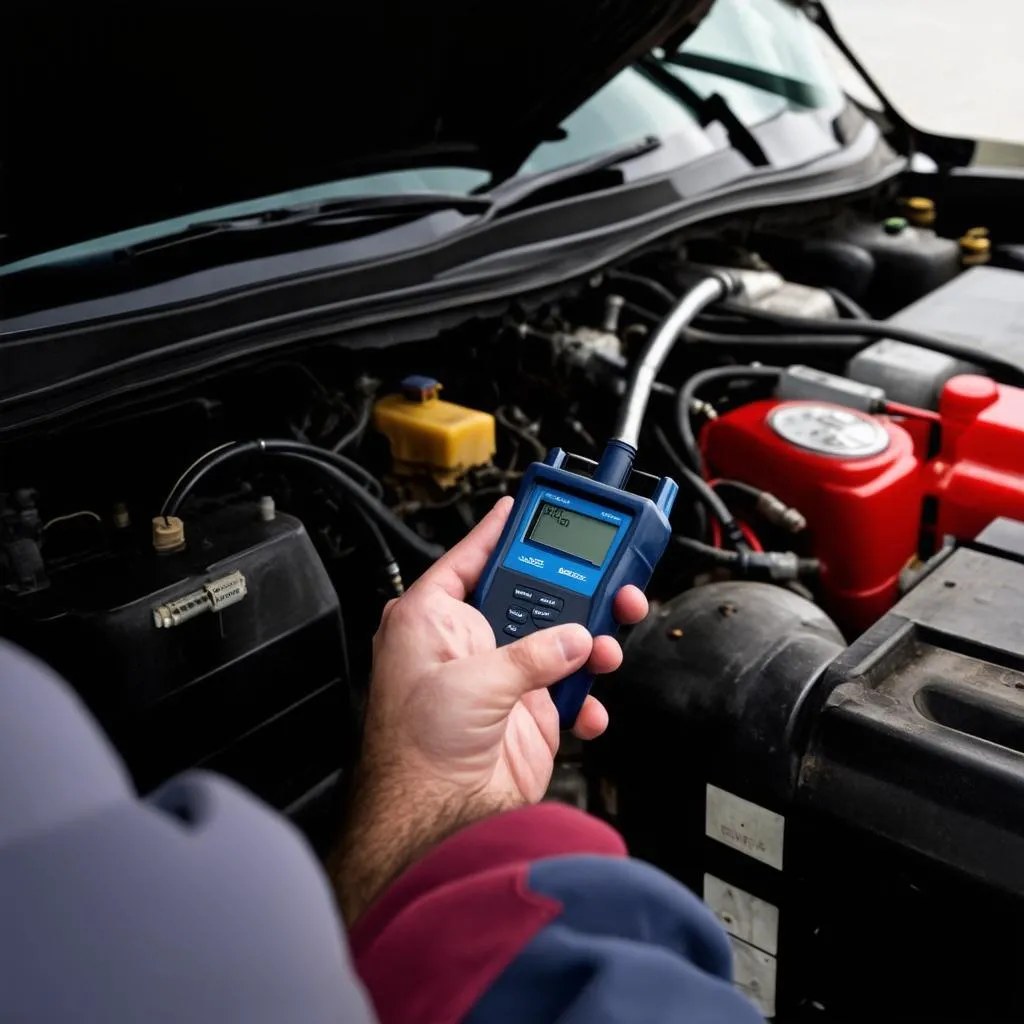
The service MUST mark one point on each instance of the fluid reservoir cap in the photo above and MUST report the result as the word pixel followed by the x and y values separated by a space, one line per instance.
pixel 829 430
pixel 895 225
pixel 964 397
pixel 418 388
pixel 168 534
pixel 920 210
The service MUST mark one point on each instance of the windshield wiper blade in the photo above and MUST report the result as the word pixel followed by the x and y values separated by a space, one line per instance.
pixel 803 94
pixel 707 110
pixel 338 212
pixel 514 191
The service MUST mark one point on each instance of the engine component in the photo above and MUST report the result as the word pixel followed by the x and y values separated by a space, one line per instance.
pixel 978 474
pixel 581 347
pixel 855 477
pixel 799 383
pixel 431 436
pixel 828 801
pixel 168 534
pixel 214 596
pixel 254 688
pixel 909 261
pixel 767 290
pixel 980 308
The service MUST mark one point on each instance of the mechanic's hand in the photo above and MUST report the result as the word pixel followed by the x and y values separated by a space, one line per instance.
pixel 475 718
pixel 457 728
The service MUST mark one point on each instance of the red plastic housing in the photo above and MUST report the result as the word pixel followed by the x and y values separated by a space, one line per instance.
pixel 978 474
pixel 863 514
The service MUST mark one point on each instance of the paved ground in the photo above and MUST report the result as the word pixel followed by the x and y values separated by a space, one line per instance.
pixel 950 65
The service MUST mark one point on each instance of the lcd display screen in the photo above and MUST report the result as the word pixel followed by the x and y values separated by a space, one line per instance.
pixel 572 533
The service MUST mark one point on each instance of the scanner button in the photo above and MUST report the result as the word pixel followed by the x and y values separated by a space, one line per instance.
pixel 517 614
pixel 517 629
pixel 544 617
pixel 523 594
pixel 547 601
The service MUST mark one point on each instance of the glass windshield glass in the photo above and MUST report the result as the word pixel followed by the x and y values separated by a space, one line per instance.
pixel 769 35
pixel 778 43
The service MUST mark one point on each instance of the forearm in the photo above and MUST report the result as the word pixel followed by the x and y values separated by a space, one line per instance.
pixel 390 824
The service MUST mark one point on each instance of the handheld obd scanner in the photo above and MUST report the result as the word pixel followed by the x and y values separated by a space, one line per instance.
pixel 573 540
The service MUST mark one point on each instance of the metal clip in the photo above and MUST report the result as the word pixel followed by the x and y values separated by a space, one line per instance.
pixel 212 597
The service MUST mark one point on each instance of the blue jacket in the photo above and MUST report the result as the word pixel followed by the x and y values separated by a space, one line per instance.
pixel 199 904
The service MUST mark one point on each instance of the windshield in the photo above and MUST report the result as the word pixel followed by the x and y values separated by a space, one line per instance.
pixel 768 35
pixel 771 37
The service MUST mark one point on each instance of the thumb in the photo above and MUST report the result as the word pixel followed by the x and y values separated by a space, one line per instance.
pixel 538 660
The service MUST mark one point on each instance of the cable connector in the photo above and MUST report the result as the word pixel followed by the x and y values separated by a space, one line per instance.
pixel 777 566
pixel 393 574
pixel 778 513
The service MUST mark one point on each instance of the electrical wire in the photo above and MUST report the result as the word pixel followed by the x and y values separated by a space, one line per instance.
pixel 996 365
pixel 84 513
pixel 353 435
pixel 688 391
pixel 702 490
pixel 749 535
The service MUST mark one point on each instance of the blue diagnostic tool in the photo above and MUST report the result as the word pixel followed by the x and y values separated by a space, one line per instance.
pixel 571 543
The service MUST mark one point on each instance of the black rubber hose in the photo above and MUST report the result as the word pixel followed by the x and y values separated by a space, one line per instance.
pixel 846 345
pixel 368 503
pixel 652 287
pixel 366 491
pixel 767 565
pixel 708 552
pixel 687 393
pixel 881 329
pixel 737 485
pixel 705 494
pixel 207 463
pixel 847 307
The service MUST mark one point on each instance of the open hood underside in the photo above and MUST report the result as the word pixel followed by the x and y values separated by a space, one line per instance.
pixel 116 116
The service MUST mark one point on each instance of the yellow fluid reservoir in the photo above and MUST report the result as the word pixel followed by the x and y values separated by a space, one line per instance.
pixel 428 434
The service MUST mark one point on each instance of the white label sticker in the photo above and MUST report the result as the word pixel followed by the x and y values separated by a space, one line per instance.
pixel 743 915
pixel 754 972
pixel 747 827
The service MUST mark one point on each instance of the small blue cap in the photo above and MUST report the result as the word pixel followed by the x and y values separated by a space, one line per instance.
pixel 418 388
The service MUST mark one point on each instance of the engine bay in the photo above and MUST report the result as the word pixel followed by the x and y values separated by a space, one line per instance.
pixel 206 562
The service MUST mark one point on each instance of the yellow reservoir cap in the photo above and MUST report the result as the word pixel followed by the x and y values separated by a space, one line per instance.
pixel 427 433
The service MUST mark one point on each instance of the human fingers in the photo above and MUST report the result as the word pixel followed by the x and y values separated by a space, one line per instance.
pixel 592 719
pixel 458 570
pixel 605 656
pixel 500 678
pixel 630 606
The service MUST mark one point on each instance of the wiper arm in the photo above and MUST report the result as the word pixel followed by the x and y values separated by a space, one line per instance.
pixel 804 94
pixel 707 110
pixel 341 213
pixel 563 181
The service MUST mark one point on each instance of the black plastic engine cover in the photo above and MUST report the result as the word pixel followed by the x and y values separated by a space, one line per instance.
pixel 857 821
pixel 257 691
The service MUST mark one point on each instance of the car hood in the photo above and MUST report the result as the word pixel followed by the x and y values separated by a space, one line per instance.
pixel 122 115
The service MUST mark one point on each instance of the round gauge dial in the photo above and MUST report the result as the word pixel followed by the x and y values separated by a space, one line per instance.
pixel 829 430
